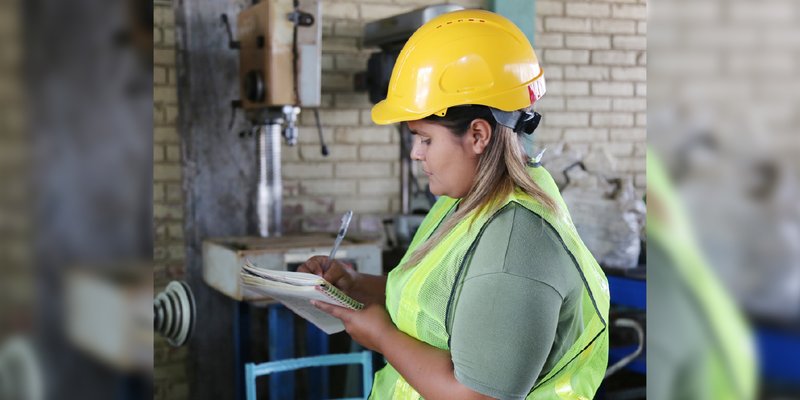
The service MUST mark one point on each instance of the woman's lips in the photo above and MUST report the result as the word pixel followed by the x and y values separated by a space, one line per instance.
pixel 427 173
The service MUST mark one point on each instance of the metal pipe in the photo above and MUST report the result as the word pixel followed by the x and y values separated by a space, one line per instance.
pixel 270 186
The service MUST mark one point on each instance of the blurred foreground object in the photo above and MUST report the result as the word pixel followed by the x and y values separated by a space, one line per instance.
pixel 701 346
pixel 108 316
pixel 605 209
pixel 20 373
pixel 174 310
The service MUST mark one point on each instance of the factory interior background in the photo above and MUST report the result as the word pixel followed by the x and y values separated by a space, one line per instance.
pixel 121 270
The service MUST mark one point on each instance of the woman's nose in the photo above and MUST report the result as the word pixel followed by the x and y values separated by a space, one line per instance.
pixel 416 150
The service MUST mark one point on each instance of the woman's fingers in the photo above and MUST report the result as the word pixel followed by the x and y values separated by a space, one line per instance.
pixel 336 311
pixel 314 265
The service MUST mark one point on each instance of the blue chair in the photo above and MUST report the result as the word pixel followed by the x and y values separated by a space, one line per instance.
pixel 253 370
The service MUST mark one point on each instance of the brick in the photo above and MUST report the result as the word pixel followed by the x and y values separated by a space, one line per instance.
pixel 307 170
pixel 337 152
pixel 167 211
pixel 585 135
pixel 171 115
pixel 548 8
pixel 336 81
pixel 379 11
pixel 158 192
pixel 588 42
pixel 163 172
pixel 169 37
pixel 172 76
pixel 348 28
pixel 629 74
pixel 157 36
pixel 566 119
pixel 632 134
pixel 163 16
pixel 164 57
pixel 165 94
pixel 165 135
pixel 375 152
pixel 377 134
pixel 338 9
pixel 384 186
pixel 612 119
pixel 641 89
pixel 174 193
pixel 550 102
pixel 613 57
pixel 641 27
pixel 588 104
pixel 558 24
pixel 175 230
pixel 612 88
pixel 593 10
pixel 630 164
pixel 632 11
pixel 569 88
pixel 630 42
pixel 616 149
pixel 362 169
pixel 326 62
pixel 328 186
pixel 642 59
pixel 158 153
pixel 308 133
pixel 310 205
pixel 613 26
pixel 630 104
pixel 586 72
pixel 640 149
pixel 340 45
pixel 173 152
pixel 330 117
pixel 641 119
pixel 362 204
pixel 553 56
pixel 352 100
pixel 351 62
pixel 159 75
pixel 549 41
pixel 555 72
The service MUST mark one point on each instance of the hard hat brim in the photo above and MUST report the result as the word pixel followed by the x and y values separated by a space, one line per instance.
pixel 385 113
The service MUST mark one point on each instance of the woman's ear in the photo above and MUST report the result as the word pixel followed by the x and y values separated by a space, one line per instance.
pixel 480 133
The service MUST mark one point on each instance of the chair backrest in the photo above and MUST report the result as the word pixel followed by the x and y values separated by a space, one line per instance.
pixel 253 371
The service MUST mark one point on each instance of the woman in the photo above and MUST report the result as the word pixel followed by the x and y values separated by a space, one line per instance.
pixel 497 295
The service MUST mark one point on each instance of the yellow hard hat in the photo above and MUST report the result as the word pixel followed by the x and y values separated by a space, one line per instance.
pixel 462 57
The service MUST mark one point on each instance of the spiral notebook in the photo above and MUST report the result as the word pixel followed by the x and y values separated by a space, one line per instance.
pixel 295 290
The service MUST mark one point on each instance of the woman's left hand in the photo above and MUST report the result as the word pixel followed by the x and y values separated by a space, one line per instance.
pixel 369 326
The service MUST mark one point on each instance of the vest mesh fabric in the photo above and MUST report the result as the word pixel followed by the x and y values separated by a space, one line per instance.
pixel 417 298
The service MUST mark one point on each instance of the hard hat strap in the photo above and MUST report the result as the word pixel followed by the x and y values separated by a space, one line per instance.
pixel 518 121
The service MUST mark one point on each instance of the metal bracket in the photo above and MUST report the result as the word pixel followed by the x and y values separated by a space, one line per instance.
pixel 300 18
pixel 232 44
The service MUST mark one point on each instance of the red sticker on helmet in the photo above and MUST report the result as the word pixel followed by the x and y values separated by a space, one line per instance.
pixel 531 94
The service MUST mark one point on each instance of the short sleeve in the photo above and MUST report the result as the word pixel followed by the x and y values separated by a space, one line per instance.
pixel 516 310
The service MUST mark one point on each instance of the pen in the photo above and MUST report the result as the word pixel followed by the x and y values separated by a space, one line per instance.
pixel 342 231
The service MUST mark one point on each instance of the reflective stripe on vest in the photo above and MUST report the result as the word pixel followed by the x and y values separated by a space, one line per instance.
pixel 417 298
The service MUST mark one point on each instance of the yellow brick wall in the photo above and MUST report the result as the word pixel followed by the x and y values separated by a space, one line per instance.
pixel 169 249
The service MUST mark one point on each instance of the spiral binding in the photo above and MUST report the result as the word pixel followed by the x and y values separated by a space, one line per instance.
pixel 334 293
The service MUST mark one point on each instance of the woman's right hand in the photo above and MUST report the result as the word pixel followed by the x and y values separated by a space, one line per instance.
pixel 341 275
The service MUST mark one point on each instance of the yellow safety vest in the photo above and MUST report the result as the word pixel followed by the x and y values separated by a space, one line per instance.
pixel 417 298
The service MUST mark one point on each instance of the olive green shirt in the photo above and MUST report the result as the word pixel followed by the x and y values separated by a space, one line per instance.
pixel 516 308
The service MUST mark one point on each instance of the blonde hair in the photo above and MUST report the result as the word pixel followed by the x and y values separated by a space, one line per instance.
pixel 501 169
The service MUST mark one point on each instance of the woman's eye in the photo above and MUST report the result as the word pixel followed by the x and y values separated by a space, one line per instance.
pixel 425 141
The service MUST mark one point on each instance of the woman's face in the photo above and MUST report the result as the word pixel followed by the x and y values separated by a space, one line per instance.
pixel 449 161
